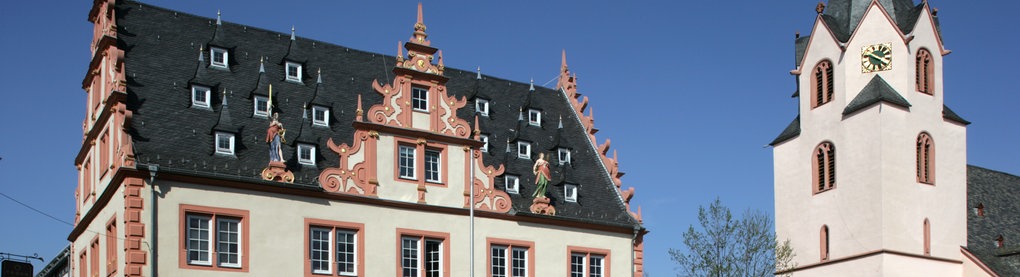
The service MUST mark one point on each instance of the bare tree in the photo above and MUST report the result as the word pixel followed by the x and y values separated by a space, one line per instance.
pixel 726 247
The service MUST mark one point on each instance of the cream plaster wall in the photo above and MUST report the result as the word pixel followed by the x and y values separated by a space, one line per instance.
pixel 389 187
pixel 97 229
pixel 277 242
pixel 422 120
pixel 450 194
pixel 877 203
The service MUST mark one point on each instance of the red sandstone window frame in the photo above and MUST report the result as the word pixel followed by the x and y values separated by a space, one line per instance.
pixel 924 72
pixel 587 253
pixel 823 244
pixel 422 236
pixel 83 262
pixel 111 246
pixel 420 98
pixel 509 245
pixel 94 257
pixel 86 181
pixel 925 159
pixel 104 154
pixel 242 216
pixel 927 237
pixel 823 84
pixel 823 167
pixel 418 168
pixel 359 258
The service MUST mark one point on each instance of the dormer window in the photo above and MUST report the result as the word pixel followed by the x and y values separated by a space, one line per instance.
pixel 224 143
pixel 200 96
pixel 261 106
pixel 482 106
pixel 306 154
pixel 484 138
pixel 980 210
pixel 524 150
pixel 219 57
pixel 563 155
pixel 513 184
pixel 570 193
pixel 320 116
pixel 420 99
pixel 293 71
pixel 534 117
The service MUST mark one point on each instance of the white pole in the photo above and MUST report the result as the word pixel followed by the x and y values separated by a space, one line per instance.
pixel 471 212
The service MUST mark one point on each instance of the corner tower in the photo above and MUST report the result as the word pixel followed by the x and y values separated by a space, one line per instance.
pixel 870 177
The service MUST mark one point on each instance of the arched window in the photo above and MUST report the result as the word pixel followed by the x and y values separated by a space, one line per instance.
pixel 925 159
pixel 824 167
pixel 925 72
pixel 927 238
pixel 824 243
pixel 822 84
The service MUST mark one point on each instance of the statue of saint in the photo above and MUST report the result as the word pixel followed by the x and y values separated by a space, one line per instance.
pixel 274 136
pixel 541 170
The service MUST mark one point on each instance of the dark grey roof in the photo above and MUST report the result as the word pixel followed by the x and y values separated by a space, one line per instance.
pixel 160 60
pixel 877 90
pixel 998 193
pixel 951 115
pixel 843 16
pixel 799 46
pixel 58 265
pixel 791 131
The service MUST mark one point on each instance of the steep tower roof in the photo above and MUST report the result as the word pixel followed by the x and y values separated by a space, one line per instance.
pixel 843 16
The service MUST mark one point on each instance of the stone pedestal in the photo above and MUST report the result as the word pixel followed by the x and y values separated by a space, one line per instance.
pixel 541 206
pixel 277 171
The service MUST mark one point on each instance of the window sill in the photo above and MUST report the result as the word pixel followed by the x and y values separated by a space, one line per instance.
pixel 296 81
pixel 201 107
pixel 419 110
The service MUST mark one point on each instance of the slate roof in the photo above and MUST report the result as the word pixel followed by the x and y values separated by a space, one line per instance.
pixel 877 90
pixel 998 193
pixel 951 115
pixel 160 59
pixel 791 131
pixel 843 16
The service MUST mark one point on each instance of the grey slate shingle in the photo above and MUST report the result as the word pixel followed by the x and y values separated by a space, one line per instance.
pixel 999 193
pixel 877 90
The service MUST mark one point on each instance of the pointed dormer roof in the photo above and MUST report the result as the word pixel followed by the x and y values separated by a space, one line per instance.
pixel 305 134
pixel 202 71
pixel 219 38
pixel 319 96
pixel 262 83
pixel 294 52
pixel 225 123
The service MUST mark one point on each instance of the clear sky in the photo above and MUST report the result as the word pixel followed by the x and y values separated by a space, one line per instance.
pixel 690 92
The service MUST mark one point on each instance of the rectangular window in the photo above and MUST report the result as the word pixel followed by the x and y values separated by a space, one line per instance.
pixel 320 116
pixel 484 138
pixel 534 117
pixel 407 162
pixel 200 96
pixel 219 57
pixel 111 246
pixel 570 192
pixel 214 238
pixel 564 155
pixel 512 183
pixel 261 106
pixel 306 154
pixel 333 248
pixel 419 99
pixel 224 143
pixel 498 261
pixel 432 166
pixel 510 258
pixel 423 254
pixel 94 258
pixel 482 107
pixel 293 71
pixel 524 150
pixel 586 262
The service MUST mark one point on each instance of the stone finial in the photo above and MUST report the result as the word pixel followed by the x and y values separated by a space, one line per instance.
pixel 796 34
pixel 218 22
pixel 262 66
pixel 563 62
pixel 318 76
pixel 400 52
pixel 478 73
pixel 201 49
pixel 292 32
pixel 560 126
pixel 820 7
pixel 421 22
pixel 532 87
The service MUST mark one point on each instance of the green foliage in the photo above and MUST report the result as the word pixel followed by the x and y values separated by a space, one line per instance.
pixel 726 247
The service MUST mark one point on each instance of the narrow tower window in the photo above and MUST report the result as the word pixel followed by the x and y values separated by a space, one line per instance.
pixel 824 243
pixel 824 167
pixel 925 159
pixel 823 84
pixel 925 72
pixel 927 238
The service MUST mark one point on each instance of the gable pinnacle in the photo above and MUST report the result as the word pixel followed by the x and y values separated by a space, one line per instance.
pixel 224 97
pixel 318 77
pixel 563 63
pixel 218 22
pixel 262 66
pixel 200 50
pixel 420 20
pixel 419 29
pixel 291 32
pixel 560 126
pixel 532 88
pixel 478 73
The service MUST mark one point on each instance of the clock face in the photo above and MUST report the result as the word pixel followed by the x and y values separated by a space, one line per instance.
pixel 876 57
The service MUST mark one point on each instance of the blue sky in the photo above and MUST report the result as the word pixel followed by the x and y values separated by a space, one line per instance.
pixel 689 92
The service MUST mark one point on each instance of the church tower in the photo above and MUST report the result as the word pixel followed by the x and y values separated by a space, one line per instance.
pixel 870 177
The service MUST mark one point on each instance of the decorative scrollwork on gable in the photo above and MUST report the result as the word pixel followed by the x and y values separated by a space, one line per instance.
pixel 345 179
pixel 487 197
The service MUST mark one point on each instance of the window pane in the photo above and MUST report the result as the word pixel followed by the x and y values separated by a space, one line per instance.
pixel 407 162
pixel 432 166
pixel 498 261
pixel 433 258
pixel 198 239
pixel 228 244
pixel 576 265
pixel 261 105
pixel 345 250
pixel 419 99
pixel 519 262
pixel 318 245
pixel 596 266
pixel 409 256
